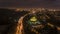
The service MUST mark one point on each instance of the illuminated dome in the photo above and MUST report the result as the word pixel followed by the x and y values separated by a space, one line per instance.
pixel 33 19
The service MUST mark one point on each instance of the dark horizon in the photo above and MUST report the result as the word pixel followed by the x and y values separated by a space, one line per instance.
pixel 30 3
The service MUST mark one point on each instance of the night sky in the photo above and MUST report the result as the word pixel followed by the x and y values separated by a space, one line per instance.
pixel 30 3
